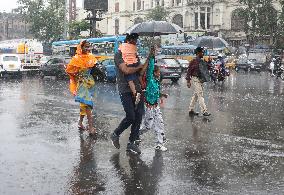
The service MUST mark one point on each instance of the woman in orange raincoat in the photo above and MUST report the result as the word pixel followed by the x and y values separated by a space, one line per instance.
pixel 82 83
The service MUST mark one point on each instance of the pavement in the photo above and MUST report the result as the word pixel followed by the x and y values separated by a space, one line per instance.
pixel 237 150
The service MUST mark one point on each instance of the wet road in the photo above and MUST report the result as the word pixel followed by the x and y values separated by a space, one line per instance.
pixel 239 150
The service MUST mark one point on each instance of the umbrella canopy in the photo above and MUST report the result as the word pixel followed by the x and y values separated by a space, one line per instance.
pixel 210 42
pixel 154 28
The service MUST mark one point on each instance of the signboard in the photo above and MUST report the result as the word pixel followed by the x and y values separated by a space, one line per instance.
pixel 22 48
pixel 96 5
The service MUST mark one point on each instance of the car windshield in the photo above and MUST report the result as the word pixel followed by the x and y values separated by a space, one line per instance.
pixel 45 58
pixel 10 58
pixel 170 62
pixel 252 60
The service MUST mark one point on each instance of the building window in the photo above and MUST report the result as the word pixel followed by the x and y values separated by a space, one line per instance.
pixel 138 4
pixel 178 2
pixel 178 20
pixel 133 6
pixel 116 7
pixel 152 3
pixel 163 3
pixel 143 5
pixel 116 26
pixel 196 20
pixel 208 20
pixel 202 18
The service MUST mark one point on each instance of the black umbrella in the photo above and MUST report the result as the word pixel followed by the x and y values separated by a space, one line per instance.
pixel 154 28
pixel 210 42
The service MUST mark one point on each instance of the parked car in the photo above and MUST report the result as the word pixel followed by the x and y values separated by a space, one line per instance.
pixel 254 65
pixel 183 63
pixel 10 64
pixel 55 67
pixel 108 68
pixel 169 69
pixel 248 65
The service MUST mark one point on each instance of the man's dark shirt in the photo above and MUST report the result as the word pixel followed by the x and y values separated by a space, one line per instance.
pixel 123 86
pixel 193 68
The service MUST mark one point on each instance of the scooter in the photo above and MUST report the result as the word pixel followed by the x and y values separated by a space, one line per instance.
pixel 279 72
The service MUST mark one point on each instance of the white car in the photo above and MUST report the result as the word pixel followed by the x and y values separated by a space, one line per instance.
pixel 183 63
pixel 10 64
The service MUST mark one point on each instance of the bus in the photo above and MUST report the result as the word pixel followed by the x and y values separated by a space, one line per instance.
pixel 185 52
pixel 102 48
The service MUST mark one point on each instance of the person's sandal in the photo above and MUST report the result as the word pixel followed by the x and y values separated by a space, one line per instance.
pixel 81 128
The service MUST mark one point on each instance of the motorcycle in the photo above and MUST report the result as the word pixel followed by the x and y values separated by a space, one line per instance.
pixel 218 73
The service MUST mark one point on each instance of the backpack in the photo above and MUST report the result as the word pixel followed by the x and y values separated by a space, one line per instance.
pixel 203 75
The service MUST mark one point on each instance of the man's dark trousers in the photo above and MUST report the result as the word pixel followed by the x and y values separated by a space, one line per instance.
pixel 133 116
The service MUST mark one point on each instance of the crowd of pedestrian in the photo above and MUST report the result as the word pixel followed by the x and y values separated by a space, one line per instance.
pixel 139 90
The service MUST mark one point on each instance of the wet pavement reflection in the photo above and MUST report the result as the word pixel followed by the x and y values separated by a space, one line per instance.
pixel 237 150
pixel 140 178
pixel 86 179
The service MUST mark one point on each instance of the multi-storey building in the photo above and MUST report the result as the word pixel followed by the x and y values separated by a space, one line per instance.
pixel 13 26
pixel 195 16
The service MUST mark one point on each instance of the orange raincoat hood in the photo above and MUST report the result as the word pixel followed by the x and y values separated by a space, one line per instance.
pixel 78 63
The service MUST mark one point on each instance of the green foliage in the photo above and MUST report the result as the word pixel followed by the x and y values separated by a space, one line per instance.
pixel 280 29
pixel 159 13
pixel 76 27
pixel 46 18
pixel 262 20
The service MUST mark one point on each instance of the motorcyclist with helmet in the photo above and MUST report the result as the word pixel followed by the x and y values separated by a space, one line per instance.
pixel 222 64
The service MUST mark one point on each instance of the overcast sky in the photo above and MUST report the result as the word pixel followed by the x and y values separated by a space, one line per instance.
pixel 8 5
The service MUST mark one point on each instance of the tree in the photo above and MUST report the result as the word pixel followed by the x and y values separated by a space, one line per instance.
pixel 76 27
pixel 46 18
pixel 159 13
pixel 260 19
pixel 280 29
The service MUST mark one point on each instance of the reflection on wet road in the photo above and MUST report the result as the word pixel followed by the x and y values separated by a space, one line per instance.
pixel 237 150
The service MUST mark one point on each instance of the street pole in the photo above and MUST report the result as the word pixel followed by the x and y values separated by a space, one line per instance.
pixel 7 27
pixel 94 22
